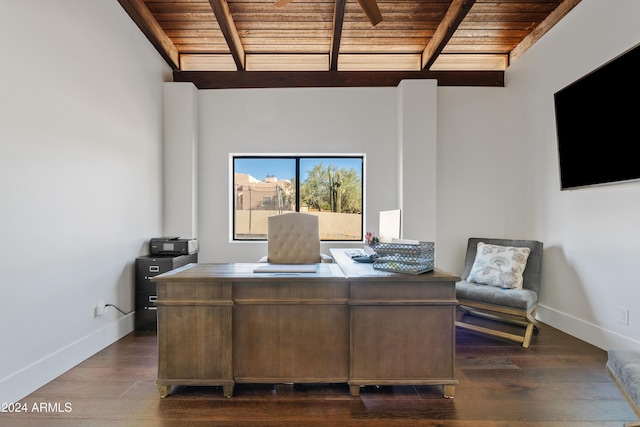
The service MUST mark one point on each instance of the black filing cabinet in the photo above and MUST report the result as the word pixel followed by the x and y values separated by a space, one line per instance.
pixel 147 267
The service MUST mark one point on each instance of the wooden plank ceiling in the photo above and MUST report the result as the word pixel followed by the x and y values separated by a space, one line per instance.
pixel 320 43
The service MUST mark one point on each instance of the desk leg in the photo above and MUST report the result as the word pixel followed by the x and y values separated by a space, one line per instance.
pixel 164 390
pixel 354 390
pixel 227 390
pixel 449 391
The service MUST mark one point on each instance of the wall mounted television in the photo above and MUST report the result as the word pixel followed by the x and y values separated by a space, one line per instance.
pixel 598 124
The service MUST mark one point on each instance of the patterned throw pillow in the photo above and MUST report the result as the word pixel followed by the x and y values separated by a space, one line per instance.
pixel 500 266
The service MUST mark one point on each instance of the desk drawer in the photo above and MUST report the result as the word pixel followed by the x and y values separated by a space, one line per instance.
pixel 402 290
pixel 292 291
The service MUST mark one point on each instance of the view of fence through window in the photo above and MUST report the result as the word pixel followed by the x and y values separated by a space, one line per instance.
pixel 329 187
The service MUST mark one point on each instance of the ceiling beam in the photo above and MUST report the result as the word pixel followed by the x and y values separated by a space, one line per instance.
pixel 278 79
pixel 458 9
pixel 229 30
pixel 336 33
pixel 370 8
pixel 537 33
pixel 145 20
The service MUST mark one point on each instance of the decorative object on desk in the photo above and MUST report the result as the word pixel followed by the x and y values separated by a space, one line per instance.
pixel 413 257
pixel 370 239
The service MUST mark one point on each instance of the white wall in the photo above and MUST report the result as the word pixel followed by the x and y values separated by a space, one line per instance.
pixel 80 166
pixel 592 235
pixel 417 142
pixel 480 172
pixel 180 166
pixel 307 121
pixel 498 176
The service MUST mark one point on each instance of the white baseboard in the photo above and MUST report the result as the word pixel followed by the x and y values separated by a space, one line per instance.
pixel 32 377
pixel 586 331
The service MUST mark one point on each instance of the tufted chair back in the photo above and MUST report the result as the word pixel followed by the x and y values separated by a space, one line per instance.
pixel 293 238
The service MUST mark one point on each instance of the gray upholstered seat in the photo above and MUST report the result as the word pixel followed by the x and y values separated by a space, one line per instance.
pixel 623 365
pixel 520 299
pixel 511 305
pixel 294 238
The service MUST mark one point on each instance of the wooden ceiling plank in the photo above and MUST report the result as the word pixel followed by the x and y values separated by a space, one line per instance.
pixel 515 7
pixel 496 62
pixel 380 62
pixel 552 19
pixel 295 7
pixel 449 24
pixel 524 17
pixel 145 20
pixel 218 62
pixel 281 3
pixel 278 79
pixel 336 33
pixel 403 6
pixel 176 7
pixel 287 62
pixel 228 28
pixel 285 26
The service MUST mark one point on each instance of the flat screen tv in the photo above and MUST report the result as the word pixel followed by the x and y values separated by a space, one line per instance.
pixel 598 124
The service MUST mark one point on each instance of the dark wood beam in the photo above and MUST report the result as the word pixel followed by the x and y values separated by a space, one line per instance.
pixel 537 33
pixel 145 20
pixel 228 28
pixel 458 9
pixel 370 8
pixel 278 79
pixel 336 34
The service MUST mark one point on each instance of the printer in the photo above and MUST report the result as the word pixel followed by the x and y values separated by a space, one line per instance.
pixel 172 246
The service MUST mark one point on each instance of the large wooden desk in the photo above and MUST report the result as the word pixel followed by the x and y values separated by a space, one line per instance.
pixel 221 324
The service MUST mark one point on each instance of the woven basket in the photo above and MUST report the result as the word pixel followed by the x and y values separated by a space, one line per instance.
pixel 404 257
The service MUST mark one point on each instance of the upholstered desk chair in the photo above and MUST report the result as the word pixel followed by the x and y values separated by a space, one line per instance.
pixel 494 300
pixel 294 238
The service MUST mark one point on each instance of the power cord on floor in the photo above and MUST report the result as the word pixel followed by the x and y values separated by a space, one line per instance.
pixel 116 307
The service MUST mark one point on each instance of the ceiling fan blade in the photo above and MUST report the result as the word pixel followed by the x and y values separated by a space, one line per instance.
pixel 370 8
pixel 282 2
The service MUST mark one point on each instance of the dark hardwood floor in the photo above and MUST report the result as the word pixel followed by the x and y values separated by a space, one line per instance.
pixel 559 381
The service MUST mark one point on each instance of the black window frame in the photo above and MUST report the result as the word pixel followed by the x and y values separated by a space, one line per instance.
pixel 297 159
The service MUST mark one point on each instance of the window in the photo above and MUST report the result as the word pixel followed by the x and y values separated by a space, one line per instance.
pixel 329 187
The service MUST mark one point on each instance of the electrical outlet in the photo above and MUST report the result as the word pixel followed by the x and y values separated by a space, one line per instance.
pixel 100 306
pixel 623 316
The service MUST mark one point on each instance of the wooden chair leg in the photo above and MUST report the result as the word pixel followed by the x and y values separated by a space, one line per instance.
pixel 532 324
pixel 527 335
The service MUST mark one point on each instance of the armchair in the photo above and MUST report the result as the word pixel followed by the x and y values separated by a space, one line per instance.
pixel 294 238
pixel 515 305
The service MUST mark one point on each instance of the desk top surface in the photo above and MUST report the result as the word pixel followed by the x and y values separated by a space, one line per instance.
pixel 245 272
pixel 344 268
pixel 365 271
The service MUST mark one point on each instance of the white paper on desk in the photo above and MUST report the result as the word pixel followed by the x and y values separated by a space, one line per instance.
pixel 406 241
pixel 286 268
